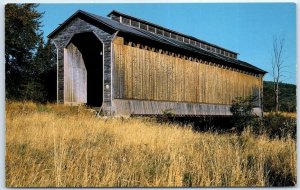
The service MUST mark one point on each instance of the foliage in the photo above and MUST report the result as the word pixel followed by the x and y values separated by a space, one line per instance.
pixel 168 112
pixel 279 125
pixel 272 124
pixel 287 93
pixel 44 72
pixel 33 90
pixel 167 115
pixel 22 36
pixel 28 62
pixel 242 112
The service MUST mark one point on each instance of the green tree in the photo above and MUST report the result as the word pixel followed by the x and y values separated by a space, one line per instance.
pixel 30 63
pixel 44 70
pixel 22 38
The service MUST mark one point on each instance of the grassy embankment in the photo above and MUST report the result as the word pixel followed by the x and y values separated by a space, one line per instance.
pixel 60 146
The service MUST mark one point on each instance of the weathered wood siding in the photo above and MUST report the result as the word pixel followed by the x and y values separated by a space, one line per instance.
pixel 61 40
pixel 145 74
pixel 75 75
pixel 143 107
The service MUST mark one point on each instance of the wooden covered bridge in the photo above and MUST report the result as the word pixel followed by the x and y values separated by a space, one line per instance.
pixel 125 65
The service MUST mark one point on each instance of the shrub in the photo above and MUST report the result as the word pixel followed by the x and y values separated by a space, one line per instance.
pixel 167 115
pixel 168 112
pixel 242 113
pixel 274 125
pixel 279 125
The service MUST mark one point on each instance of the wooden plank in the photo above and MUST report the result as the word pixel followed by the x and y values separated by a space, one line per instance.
pixel 75 76
pixel 127 107
pixel 145 74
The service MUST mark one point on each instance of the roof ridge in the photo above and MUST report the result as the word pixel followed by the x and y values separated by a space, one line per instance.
pixel 117 26
pixel 171 30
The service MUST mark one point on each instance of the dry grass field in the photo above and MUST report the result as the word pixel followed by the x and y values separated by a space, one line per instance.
pixel 287 114
pixel 59 146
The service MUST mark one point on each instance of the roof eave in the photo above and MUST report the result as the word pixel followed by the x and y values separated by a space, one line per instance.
pixel 61 25
pixel 77 13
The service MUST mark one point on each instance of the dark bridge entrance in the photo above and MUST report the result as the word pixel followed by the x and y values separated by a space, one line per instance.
pixel 83 70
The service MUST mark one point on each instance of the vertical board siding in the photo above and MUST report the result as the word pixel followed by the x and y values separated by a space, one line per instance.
pixel 144 74
pixel 75 76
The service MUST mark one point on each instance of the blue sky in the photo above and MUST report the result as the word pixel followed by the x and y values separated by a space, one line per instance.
pixel 246 28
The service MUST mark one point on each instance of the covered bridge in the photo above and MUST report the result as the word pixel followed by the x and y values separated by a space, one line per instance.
pixel 125 65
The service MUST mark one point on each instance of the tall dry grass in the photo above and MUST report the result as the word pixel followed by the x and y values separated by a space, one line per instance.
pixel 59 146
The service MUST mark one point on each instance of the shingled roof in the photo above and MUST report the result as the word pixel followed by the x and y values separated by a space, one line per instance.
pixel 123 28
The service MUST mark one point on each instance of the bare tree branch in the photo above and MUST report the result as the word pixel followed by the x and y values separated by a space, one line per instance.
pixel 277 67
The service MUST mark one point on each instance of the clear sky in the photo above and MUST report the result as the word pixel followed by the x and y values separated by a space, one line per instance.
pixel 246 28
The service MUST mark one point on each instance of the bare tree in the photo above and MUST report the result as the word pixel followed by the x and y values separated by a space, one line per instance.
pixel 277 67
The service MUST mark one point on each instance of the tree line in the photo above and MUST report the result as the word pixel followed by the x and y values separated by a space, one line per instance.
pixel 287 94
